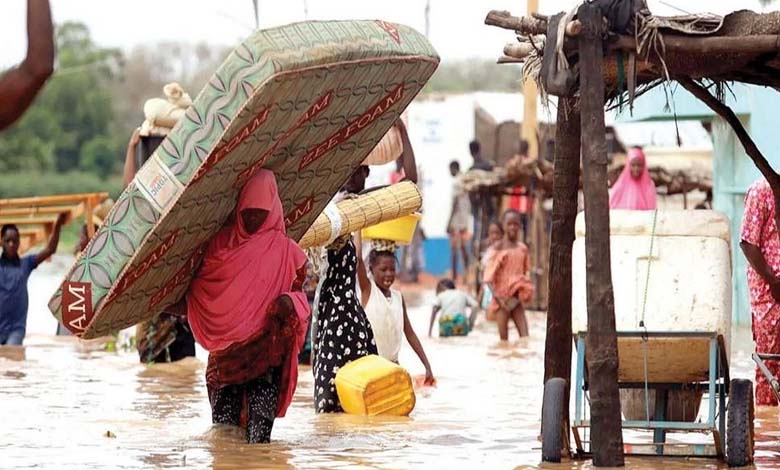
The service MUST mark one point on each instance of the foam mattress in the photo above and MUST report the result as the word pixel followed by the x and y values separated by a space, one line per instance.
pixel 308 101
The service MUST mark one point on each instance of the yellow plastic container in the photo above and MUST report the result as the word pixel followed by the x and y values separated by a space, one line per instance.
pixel 372 386
pixel 400 230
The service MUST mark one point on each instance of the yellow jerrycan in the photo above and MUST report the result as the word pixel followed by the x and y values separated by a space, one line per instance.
pixel 372 386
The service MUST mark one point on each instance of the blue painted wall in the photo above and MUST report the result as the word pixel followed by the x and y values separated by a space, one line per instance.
pixel 437 256
pixel 733 171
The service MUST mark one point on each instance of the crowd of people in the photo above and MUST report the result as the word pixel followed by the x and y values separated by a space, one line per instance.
pixel 259 304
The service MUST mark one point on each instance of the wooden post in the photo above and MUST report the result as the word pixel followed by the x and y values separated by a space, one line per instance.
pixel 566 180
pixel 530 126
pixel 601 344
pixel 89 209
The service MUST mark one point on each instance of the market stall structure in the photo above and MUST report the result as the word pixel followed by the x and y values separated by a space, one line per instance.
pixel 606 53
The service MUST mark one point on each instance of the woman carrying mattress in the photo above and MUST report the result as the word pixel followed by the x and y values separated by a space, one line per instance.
pixel 246 306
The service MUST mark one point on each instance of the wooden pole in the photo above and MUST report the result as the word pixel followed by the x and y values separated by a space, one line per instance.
pixel 566 179
pixel 601 343
pixel 530 93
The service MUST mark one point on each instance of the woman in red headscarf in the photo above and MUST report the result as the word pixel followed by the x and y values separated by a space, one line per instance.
pixel 634 189
pixel 246 306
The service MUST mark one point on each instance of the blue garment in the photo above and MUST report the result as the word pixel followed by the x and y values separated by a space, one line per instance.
pixel 13 297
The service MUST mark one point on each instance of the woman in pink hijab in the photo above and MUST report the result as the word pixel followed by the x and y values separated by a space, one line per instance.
pixel 246 306
pixel 634 189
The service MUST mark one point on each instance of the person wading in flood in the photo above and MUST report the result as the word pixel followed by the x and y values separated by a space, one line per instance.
pixel 634 188
pixel 385 307
pixel 14 272
pixel 506 274
pixel 20 85
pixel 246 306
pixel 761 247
pixel 166 337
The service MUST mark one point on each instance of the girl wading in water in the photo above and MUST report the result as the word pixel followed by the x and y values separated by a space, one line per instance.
pixel 246 306
pixel 506 274
pixel 385 307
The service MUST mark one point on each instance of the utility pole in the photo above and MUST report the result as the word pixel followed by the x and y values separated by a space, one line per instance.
pixel 530 93
pixel 305 9
pixel 427 18
pixel 257 14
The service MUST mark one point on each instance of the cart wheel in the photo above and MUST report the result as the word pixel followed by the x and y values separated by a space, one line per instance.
pixel 552 419
pixel 740 436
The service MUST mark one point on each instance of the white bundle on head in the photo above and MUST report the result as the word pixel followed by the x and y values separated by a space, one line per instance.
pixel 163 114
pixel 384 245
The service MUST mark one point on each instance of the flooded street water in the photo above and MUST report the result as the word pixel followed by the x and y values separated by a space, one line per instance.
pixel 71 405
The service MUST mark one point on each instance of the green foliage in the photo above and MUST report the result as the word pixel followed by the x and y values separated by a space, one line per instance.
pixel 74 108
pixel 23 184
pixel 100 156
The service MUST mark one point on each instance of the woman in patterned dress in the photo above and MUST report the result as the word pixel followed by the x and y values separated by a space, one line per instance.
pixel 246 306
pixel 344 333
pixel 506 274
pixel 761 247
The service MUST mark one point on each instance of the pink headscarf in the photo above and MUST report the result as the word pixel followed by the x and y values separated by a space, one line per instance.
pixel 629 193
pixel 243 274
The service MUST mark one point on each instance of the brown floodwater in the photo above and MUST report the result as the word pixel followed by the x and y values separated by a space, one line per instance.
pixel 66 404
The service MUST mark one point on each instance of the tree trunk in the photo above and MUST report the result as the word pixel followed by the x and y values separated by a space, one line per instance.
pixel 601 343
pixel 566 181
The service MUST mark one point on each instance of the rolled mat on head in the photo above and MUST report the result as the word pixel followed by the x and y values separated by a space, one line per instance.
pixel 351 215
pixel 307 101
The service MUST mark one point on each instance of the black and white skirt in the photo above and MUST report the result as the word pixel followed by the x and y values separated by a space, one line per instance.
pixel 343 331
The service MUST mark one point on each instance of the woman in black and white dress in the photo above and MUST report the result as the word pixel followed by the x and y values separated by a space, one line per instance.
pixel 343 333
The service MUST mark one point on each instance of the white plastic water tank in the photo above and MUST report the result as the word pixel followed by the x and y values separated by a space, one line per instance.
pixel 689 288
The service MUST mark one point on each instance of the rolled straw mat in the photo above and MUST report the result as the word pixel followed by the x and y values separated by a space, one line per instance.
pixel 308 101
pixel 351 215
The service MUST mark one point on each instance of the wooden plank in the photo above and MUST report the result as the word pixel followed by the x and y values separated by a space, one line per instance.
pixel 37 232
pixel 601 350
pixel 89 208
pixel 27 220
pixel 669 360
pixel 50 200
pixel 75 210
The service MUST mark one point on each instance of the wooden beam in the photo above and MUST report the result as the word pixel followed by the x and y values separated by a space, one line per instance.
pixel 601 342
pixel 50 200
pixel 772 177
pixel 505 59
pixel 708 45
pixel 28 220
pixel 89 207
pixel 519 50
pixel 566 181
pixel 527 25
pixel 75 211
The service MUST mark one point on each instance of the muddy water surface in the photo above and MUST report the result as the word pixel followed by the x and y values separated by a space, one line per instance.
pixel 66 404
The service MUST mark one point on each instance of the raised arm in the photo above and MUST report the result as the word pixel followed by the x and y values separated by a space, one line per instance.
pixel 51 247
pixel 20 85
pixel 130 166
pixel 414 342
pixel 410 164
pixel 362 273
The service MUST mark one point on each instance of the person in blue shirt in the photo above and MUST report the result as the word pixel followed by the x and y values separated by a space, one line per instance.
pixel 14 272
